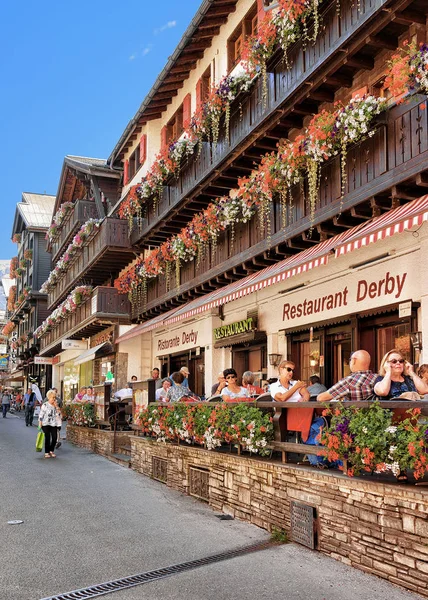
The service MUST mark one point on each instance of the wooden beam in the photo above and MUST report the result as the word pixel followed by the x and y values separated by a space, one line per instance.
pixel 206 33
pixel 382 41
pixel 193 57
pixel 170 87
pixel 338 80
pixel 321 95
pixel 398 191
pixel 360 62
pixel 422 180
pixel 184 69
pixel 209 22
pixel 408 17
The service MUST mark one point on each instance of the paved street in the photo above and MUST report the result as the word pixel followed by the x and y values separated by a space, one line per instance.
pixel 87 520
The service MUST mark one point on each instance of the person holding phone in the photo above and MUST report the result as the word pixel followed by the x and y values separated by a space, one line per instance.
pixel 397 377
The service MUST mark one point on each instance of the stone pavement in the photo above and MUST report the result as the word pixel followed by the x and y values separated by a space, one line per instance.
pixel 87 520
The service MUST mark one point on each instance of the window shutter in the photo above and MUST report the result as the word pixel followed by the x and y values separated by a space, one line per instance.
pixel 261 13
pixel 126 172
pixel 143 149
pixel 187 110
pixel 164 137
pixel 199 93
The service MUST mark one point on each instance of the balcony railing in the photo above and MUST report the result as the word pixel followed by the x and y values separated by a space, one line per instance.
pixel 105 303
pixel 250 112
pixel 397 153
pixel 103 257
pixel 82 211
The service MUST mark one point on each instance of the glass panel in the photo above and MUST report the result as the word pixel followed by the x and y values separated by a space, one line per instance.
pixel 71 380
pixel 309 359
pixel 396 336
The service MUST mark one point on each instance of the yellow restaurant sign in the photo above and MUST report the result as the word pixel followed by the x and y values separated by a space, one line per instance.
pixel 232 329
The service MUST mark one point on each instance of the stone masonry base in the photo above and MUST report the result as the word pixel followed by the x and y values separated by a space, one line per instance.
pixel 380 528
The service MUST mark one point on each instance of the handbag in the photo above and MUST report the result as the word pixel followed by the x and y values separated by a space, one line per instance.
pixel 40 439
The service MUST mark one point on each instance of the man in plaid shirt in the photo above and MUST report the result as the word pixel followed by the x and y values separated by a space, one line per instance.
pixel 358 385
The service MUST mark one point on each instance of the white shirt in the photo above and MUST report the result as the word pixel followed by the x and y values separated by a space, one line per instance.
pixel 277 387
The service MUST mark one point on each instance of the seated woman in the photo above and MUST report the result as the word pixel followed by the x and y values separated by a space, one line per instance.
pixel 423 374
pixel 286 389
pixel 162 392
pixel 178 392
pixel 397 377
pixel 248 384
pixel 233 391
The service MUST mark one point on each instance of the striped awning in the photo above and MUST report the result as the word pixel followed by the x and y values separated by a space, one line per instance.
pixel 394 221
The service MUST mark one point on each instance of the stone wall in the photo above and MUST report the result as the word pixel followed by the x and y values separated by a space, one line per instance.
pixel 97 440
pixel 377 527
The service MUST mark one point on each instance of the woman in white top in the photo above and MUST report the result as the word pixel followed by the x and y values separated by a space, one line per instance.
pixel 233 391
pixel 286 389
pixel 48 422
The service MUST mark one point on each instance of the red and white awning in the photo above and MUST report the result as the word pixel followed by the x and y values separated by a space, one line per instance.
pixel 394 221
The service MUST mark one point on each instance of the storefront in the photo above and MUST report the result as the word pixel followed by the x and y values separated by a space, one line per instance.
pixel 248 345
pixel 373 303
pixel 186 345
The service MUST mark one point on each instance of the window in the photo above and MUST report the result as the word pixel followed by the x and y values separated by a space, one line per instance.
pixel 175 126
pixel 247 27
pixel 134 162
pixel 378 91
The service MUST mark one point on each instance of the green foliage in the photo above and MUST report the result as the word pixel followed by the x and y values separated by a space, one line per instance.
pixel 79 413
pixel 279 536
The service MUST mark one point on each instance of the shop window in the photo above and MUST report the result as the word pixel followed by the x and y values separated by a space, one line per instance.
pixel 395 336
pixel 107 368
pixel 85 378
pixel 247 27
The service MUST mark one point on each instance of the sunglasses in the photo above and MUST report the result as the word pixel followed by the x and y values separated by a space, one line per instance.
pixel 394 361
pixel 289 369
pixel 231 377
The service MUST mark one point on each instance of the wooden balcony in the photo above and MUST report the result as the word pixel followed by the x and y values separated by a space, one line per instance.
pixel 104 307
pixel 83 211
pixel 346 45
pixel 383 171
pixel 98 262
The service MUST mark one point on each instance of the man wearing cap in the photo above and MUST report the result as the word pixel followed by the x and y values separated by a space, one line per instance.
pixel 186 374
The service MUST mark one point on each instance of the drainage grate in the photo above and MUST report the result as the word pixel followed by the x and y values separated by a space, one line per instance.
pixel 159 469
pixel 199 483
pixel 303 524
pixel 127 582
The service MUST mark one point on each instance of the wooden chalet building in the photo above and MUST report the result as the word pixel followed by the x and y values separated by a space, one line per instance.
pixel 180 310
pixel 88 250
pixel 27 305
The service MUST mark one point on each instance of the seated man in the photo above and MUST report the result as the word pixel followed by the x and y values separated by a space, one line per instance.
pixel 358 385
pixel 316 386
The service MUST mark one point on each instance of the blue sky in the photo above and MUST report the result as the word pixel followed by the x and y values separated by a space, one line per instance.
pixel 73 75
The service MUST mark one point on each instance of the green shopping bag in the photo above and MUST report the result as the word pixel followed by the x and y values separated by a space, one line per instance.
pixel 40 441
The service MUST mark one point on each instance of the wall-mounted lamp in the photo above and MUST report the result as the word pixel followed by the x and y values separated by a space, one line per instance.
pixel 416 339
pixel 274 359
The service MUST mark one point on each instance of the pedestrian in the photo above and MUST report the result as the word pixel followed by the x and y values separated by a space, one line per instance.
pixel 58 420
pixel 48 422
pixel 30 405
pixel 58 397
pixel 5 403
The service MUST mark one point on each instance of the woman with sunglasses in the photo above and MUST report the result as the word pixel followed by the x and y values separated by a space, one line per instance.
pixel 397 377
pixel 233 391
pixel 287 389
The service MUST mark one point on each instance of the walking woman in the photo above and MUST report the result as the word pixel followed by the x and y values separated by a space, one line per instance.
pixel 48 422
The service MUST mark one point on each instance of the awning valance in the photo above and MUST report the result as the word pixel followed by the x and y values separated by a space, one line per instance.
pixel 242 338
pixel 394 221
pixel 88 354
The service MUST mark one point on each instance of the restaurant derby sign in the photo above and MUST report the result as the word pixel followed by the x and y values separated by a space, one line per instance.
pixel 352 293
pixel 236 328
